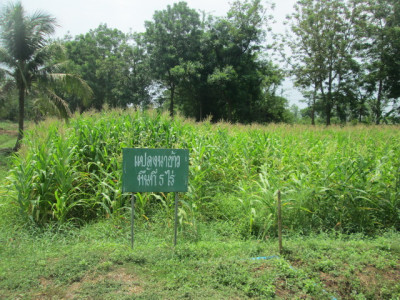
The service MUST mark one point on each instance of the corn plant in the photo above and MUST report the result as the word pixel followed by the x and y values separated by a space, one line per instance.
pixel 337 178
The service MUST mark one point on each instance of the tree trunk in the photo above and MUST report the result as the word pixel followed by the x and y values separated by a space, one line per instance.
pixel 328 113
pixel 313 105
pixel 378 114
pixel 229 110
pixel 171 104
pixel 201 111
pixel 327 101
pixel 21 116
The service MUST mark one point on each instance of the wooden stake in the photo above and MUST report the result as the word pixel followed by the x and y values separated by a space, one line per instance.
pixel 279 222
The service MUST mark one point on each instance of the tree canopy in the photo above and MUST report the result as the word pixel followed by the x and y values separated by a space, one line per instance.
pixel 343 55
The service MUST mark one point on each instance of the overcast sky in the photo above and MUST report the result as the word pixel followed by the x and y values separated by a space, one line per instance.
pixel 79 16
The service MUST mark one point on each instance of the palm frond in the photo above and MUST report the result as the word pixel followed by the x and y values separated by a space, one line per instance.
pixel 45 58
pixel 23 35
pixel 70 83
pixel 14 34
pixel 5 58
pixel 4 72
pixel 7 87
pixel 41 26
pixel 59 103
pixel 43 23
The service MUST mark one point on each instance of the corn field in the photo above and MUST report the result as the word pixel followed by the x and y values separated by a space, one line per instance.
pixel 336 178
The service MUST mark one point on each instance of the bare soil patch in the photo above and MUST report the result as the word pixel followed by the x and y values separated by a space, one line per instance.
pixel 8 132
pixel 131 283
pixel 371 276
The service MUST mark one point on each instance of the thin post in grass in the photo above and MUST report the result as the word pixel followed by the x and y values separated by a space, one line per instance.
pixel 132 217
pixel 176 218
pixel 279 222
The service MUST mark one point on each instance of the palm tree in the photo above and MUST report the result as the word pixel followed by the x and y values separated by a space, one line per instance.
pixel 33 63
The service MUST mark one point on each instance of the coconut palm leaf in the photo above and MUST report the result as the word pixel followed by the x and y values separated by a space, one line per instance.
pixel 6 59
pixel 7 87
pixel 70 83
pixel 53 104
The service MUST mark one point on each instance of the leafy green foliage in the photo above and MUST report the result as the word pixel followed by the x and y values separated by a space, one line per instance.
pixel 215 66
pixel 173 43
pixel 322 37
pixel 113 64
pixel 344 179
pixel 343 55
pixel 377 22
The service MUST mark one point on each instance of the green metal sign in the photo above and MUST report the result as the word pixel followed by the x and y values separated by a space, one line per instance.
pixel 155 170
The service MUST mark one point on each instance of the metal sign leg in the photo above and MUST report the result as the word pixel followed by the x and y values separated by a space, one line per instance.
pixel 132 217
pixel 176 218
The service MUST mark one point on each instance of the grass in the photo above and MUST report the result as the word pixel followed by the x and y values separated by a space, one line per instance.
pixel 227 218
pixel 96 262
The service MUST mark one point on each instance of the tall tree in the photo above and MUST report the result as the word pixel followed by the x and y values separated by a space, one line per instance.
pixel 114 64
pixel 393 60
pixel 243 80
pixel 321 46
pixel 393 54
pixel 29 60
pixel 173 43
pixel 378 49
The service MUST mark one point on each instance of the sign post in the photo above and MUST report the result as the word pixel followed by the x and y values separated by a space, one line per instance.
pixel 176 219
pixel 132 217
pixel 155 170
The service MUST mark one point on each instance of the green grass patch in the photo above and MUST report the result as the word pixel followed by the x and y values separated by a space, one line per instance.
pixel 96 261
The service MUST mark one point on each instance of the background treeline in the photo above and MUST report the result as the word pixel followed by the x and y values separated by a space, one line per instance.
pixel 197 64
pixel 344 56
